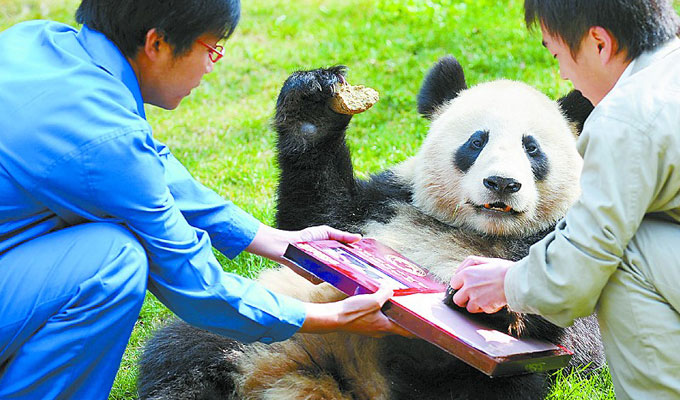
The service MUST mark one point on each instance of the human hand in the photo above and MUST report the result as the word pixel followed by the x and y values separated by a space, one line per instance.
pixel 272 243
pixel 358 314
pixel 324 232
pixel 480 284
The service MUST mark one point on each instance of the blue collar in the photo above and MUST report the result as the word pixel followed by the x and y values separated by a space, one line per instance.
pixel 107 56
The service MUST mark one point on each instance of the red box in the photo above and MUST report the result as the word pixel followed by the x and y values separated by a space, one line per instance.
pixel 418 306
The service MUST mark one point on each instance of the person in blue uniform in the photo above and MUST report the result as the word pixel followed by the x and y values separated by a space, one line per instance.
pixel 94 210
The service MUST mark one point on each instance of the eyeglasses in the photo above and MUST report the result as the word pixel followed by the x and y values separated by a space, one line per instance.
pixel 215 53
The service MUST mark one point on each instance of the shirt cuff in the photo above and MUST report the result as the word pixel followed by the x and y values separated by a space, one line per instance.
pixel 511 287
pixel 242 228
pixel 290 321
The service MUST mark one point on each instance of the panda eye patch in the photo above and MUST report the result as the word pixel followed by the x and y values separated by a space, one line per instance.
pixel 530 146
pixel 539 160
pixel 467 153
pixel 478 139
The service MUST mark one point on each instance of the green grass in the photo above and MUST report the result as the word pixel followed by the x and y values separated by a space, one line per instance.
pixel 222 132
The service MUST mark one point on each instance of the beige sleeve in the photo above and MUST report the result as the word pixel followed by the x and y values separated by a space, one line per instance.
pixel 564 273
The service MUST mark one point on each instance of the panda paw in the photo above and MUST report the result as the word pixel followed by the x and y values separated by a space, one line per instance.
pixel 307 93
pixel 314 85
pixel 503 320
pixel 448 299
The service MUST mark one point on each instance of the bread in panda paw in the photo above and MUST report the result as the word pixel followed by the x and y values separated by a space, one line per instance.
pixel 352 100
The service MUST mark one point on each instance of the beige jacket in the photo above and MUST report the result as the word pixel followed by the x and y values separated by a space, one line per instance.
pixel 631 150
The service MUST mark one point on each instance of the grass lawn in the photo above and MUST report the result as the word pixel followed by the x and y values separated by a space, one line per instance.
pixel 222 132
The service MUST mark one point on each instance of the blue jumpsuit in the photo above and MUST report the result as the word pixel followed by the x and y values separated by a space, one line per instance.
pixel 93 211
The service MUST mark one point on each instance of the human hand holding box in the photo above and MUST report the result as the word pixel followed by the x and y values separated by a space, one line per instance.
pixel 364 266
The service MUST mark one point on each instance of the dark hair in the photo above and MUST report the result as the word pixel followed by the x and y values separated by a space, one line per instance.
pixel 179 22
pixel 637 25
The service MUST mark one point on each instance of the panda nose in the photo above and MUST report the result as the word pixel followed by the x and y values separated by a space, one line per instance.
pixel 502 185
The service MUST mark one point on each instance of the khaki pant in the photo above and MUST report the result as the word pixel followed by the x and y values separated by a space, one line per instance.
pixel 639 315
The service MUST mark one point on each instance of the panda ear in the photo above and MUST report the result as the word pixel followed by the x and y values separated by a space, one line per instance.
pixel 576 108
pixel 443 82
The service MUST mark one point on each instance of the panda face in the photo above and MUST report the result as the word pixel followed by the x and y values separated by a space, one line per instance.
pixel 499 159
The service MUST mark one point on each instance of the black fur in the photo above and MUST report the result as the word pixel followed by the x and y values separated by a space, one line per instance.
pixel 317 163
pixel 467 153
pixel 419 370
pixel 317 186
pixel 183 362
pixel 443 83
pixel 576 108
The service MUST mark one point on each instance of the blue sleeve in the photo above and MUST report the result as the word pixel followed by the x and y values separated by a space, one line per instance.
pixel 121 178
pixel 230 228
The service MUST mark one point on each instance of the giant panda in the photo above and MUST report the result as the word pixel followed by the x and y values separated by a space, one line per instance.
pixel 496 171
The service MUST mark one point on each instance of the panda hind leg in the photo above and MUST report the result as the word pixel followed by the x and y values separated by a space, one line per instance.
pixel 331 366
pixel 295 386
pixel 184 362
pixel 282 371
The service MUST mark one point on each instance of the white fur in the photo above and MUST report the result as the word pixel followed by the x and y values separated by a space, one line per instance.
pixel 508 110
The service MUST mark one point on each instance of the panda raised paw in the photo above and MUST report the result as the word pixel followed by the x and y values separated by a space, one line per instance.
pixel 309 90
pixel 305 121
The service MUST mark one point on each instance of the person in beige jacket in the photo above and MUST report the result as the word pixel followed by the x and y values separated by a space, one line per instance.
pixel 617 251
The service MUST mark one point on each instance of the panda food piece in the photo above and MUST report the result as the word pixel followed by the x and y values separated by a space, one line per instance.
pixel 352 100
